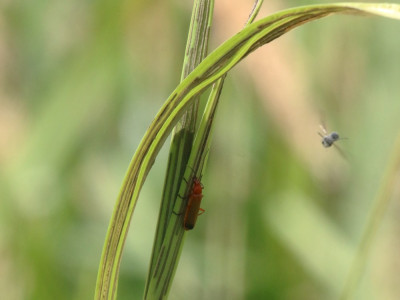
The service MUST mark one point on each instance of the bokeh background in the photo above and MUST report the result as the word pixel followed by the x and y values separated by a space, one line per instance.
pixel 80 81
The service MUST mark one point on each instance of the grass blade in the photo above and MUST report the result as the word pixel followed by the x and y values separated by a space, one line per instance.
pixel 183 135
pixel 172 245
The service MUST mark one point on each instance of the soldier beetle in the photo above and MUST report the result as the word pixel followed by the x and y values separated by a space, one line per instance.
pixel 193 209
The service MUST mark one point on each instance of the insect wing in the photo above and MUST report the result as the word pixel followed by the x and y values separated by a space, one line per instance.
pixel 341 152
pixel 323 129
pixel 193 209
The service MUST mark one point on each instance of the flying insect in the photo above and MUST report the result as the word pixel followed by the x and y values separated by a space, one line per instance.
pixel 329 139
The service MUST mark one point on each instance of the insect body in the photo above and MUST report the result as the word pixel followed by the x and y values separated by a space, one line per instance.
pixel 193 209
pixel 328 140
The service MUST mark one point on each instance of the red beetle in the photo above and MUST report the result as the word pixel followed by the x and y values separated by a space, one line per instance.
pixel 193 209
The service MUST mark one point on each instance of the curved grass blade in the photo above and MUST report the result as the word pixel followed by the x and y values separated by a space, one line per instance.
pixel 211 69
pixel 167 263
pixel 161 279
pixel 183 134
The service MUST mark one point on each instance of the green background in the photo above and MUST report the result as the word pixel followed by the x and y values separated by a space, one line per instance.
pixel 80 81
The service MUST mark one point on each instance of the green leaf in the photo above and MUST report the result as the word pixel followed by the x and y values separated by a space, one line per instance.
pixel 168 256
pixel 182 140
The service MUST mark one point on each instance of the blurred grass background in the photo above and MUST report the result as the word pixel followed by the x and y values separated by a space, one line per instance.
pixel 80 81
